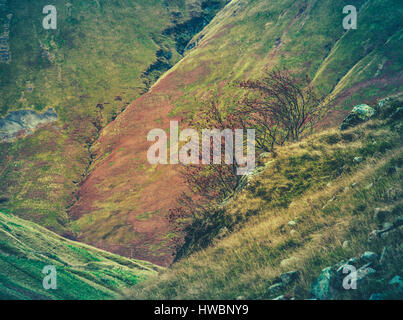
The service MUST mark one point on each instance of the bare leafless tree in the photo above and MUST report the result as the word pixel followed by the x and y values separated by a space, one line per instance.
pixel 281 109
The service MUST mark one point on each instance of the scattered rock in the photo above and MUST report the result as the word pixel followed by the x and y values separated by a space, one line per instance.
pixel 353 262
pixel 386 107
pixel 346 244
pixel 394 290
pixel 361 274
pixel 330 283
pixel 280 298
pixel 359 114
pixel 289 277
pixel 287 262
pixel 374 234
pixel 265 155
pixel 369 186
pixel 364 272
pixel 222 233
pixel 293 232
pixel 275 289
pixel 396 285
pixel 369 256
pixel 377 296
pixel 341 267
pixel 322 289
pixel 292 223
pixel 357 159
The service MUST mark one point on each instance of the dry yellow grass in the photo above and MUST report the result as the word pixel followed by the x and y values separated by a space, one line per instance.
pixel 247 261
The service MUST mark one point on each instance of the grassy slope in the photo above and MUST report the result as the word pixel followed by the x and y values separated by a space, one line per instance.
pixel 98 52
pixel 83 272
pixel 239 43
pixel 315 183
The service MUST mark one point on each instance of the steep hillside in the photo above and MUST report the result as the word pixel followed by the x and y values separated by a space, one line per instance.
pixel 77 103
pixel 122 204
pixel 102 55
pixel 83 272
pixel 331 199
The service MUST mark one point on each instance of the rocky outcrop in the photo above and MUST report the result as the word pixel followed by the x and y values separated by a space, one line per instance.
pixel 24 122
pixel 332 281
pixel 394 289
pixel 359 114
pixel 391 108
pixel 335 281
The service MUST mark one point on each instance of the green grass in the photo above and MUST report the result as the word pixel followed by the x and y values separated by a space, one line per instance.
pixel 83 272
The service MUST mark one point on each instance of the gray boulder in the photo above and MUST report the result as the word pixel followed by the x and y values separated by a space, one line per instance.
pixel 369 256
pixel 322 288
pixel 364 272
pixel 275 289
pixel 396 285
pixel 359 114
pixel 24 121
pixel 377 296
pixel 394 290
pixel 289 277
pixel 391 108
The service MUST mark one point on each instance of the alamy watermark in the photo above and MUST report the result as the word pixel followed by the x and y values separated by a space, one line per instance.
pixel 350 281
pixel 50 280
pixel 210 151
pixel 350 21
pixel 50 21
